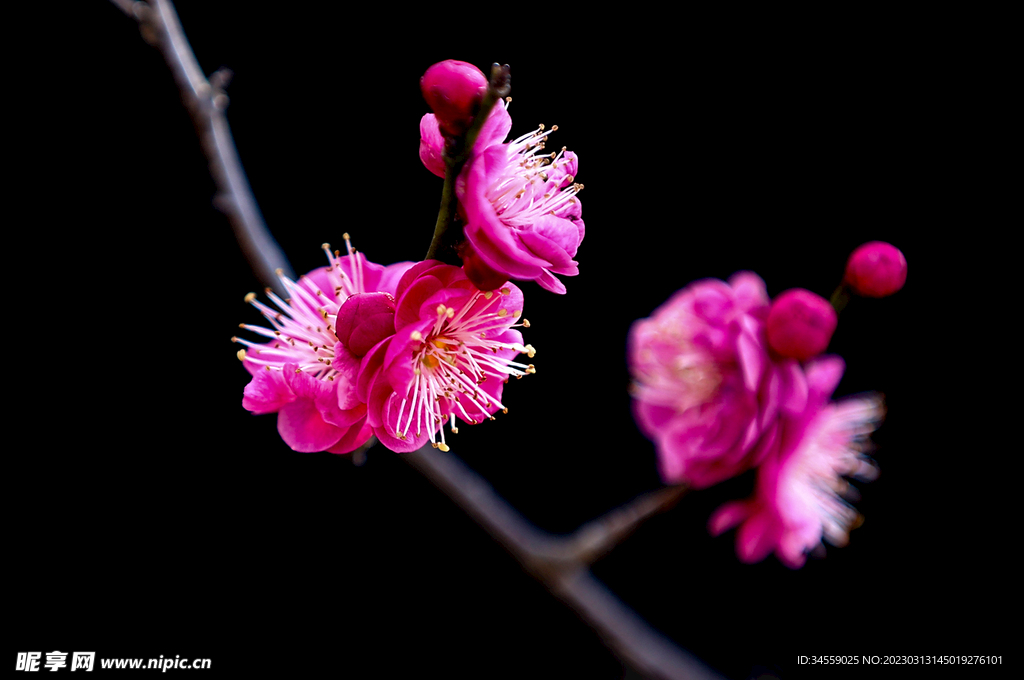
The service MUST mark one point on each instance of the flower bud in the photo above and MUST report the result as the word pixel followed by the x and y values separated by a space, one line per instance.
pixel 365 319
pixel 800 324
pixel 876 269
pixel 453 90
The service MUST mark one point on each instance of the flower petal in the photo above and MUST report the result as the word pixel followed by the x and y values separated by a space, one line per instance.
pixel 432 145
pixel 267 392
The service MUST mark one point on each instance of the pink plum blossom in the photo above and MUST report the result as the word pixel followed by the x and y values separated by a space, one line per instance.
pixel 800 483
pixel 876 269
pixel 522 219
pixel 800 324
pixel 704 387
pixel 449 354
pixel 304 373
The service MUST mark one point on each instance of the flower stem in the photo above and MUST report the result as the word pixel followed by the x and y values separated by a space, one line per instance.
pixel 840 296
pixel 206 102
pixel 447 229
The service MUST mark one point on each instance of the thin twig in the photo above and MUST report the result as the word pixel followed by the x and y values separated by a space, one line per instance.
pixel 559 562
pixel 206 104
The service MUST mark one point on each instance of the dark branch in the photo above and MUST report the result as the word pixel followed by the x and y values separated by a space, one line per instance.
pixel 561 563
pixel 206 103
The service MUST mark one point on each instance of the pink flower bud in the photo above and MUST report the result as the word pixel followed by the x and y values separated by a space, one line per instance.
pixel 876 269
pixel 800 324
pixel 364 319
pixel 453 90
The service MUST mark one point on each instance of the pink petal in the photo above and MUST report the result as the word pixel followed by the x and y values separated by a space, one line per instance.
pixel 756 538
pixel 354 437
pixel 398 366
pixel 267 392
pixel 794 387
pixel 411 274
pixel 369 369
pixel 728 516
pixel 823 376
pixel 347 366
pixel 432 145
pixel 391 275
pixel 494 130
pixel 303 428
pixel 751 359
pixel 410 303
pixel 548 282
pixel 388 434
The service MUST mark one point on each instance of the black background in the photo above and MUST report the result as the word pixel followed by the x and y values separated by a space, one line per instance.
pixel 150 514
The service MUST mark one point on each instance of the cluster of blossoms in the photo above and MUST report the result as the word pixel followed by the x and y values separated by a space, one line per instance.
pixel 726 380
pixel 358 349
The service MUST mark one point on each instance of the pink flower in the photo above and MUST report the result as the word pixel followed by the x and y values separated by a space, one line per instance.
pixel 449 355
pixel 876 269
pixel 298 374
pixel 800 324
pixel 522 218
pixel 704 386
pixel 797 501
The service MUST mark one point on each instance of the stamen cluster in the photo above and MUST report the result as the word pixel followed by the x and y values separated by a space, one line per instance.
pixel 450 356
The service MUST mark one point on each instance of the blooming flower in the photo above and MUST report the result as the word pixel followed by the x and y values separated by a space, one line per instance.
pixel 704 386
pixel 797 501
pixel 522 218
pixel 296 374
pixel 450 355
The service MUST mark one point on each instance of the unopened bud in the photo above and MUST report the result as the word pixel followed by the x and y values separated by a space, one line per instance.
pixel 876 269
pixel 800 324
pixel 453 90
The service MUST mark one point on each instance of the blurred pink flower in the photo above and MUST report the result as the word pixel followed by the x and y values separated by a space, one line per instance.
pixel 704 386
pixel 876 269
pixel 299 373
pixel 798 498
pixel 449 355
pixel 800 324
